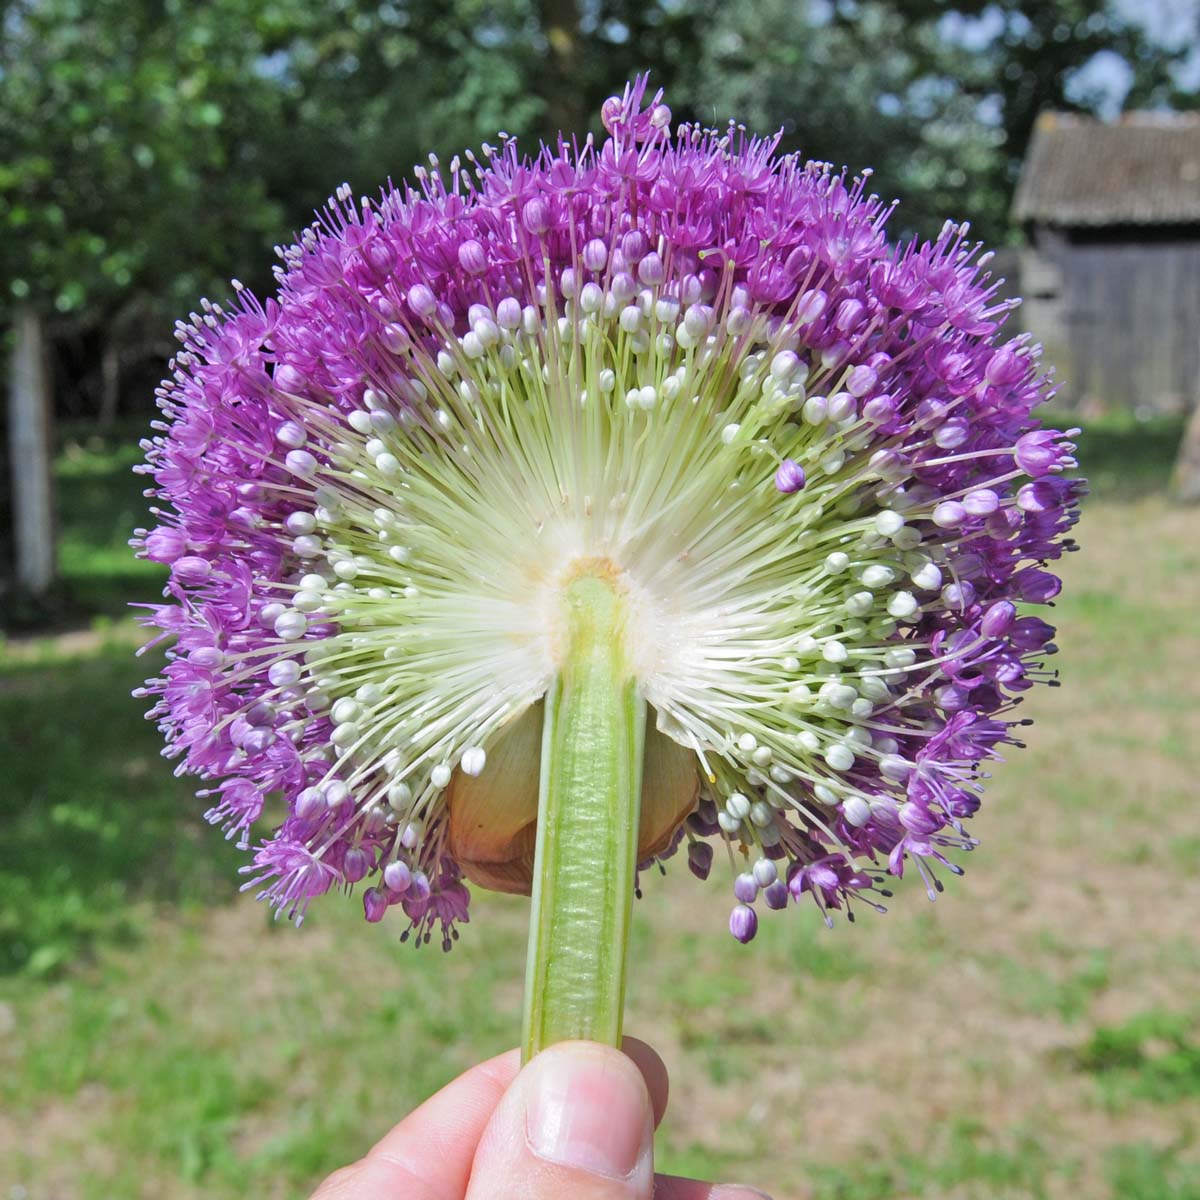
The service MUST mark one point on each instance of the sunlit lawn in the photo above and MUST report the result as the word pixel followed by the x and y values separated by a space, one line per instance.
pixel 1034 1034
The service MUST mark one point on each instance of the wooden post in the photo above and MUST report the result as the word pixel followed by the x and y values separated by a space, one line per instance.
pixel 31 451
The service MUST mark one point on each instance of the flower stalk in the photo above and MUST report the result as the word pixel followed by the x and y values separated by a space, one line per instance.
pixel 588 817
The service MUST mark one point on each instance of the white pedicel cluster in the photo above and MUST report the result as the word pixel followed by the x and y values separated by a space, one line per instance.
pixel 631 428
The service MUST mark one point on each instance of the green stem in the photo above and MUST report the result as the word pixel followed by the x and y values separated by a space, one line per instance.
pixel 589 806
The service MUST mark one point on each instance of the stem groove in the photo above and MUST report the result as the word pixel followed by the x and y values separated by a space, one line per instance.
pixel 589 807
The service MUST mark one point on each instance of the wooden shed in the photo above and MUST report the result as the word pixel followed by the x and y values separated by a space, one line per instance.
pixel 1111 274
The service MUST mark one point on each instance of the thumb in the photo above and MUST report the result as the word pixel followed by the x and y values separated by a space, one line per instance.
pixel 577 1122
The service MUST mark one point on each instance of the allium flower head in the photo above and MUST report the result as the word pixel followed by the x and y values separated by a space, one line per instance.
pixel 683 364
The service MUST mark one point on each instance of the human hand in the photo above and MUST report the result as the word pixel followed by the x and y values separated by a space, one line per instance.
pixel 577 1123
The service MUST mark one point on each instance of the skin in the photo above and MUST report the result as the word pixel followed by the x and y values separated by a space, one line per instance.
pixel 577 1121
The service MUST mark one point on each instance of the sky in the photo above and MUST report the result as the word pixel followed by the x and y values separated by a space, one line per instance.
pixel 1172 23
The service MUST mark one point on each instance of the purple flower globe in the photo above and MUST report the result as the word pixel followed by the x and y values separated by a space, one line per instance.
pixel 680 372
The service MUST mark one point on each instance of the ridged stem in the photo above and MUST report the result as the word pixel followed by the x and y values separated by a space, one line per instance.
pixel 589 805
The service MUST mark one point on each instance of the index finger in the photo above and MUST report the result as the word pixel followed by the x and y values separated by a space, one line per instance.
pixel 428 1155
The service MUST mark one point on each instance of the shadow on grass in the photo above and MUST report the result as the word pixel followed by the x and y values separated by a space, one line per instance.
pixel 99 504
pixel 1126 460
pixel 94 822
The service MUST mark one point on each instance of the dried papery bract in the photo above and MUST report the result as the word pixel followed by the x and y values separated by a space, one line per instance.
pixel 683 365
pixel 493 817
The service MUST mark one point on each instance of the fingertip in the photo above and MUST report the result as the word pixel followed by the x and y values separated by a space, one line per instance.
pixel 654 1072
pixel 578 1121
pixel 590 1108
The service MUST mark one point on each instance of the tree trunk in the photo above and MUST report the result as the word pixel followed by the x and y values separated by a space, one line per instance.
pixel 1185 482
pixel 29 444
pixel 565 100
pixel 110 383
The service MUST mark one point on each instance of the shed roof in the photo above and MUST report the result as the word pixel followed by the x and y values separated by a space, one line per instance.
pixel 1141 170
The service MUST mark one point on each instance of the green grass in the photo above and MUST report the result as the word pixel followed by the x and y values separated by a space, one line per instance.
pixel 185 1100
pixel 1034 1034
pixel 1142 1171
pixel 1039 990
pixel 93 836
pixel 968 1160
pixel 1154 1056
pixel 1127 459
pixel 101 503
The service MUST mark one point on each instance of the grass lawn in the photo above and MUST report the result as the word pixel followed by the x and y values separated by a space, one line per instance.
pixel 1036 1033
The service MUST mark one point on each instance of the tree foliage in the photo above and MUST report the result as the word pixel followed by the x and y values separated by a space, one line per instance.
pixel 938 96
pixel 130 151
pixel 149 149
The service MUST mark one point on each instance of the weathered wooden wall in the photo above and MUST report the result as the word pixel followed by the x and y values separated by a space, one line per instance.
pixel 1119 319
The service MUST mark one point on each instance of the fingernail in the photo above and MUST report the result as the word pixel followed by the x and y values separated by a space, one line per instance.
pixel 736 1191
pixel 589 1110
